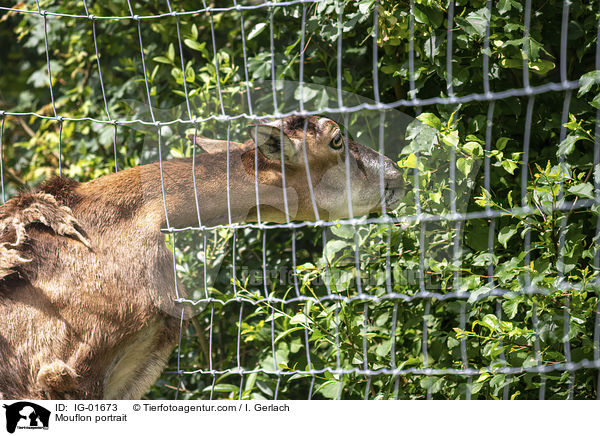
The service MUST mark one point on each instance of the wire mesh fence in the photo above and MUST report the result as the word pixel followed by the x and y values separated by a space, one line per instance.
pixel 481 284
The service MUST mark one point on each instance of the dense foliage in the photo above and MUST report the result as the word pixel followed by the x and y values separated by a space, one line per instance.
pixel 473 297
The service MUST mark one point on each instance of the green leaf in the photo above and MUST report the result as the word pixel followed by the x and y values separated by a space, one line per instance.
pixel 476 294
pixel 490 321
pixel 465 165
pixel 497 382
pixel 473 148
pixel 222 387
pixel 452 342
pixel 475 24
pixel 198 46
pixel 177 75
pixel 190 75
pixel 431 120
pixel 343 231
pixel 510 307
pixel 540 66
pixel 484 259
pixel 587 81
pixel 330 389
pixel 258 29
pixel 384 348
pixel 300 318
pixel 423 138
pixel 451 138
pixel 596 101
pixel 517 5
pixel 409 162
pixel 483 377
pixel 365 6
pixel 583 190
pixel 305 93
pixel 162 60
pixel 436 197
pixel 434 15
pixel 333 247
pixel 501 143
pixel 572 124
pixel 171 52
pixel 509 166
pixel 505 234
pixel 567 145
pixel 503 6
pixel 410 362
pixel 421 14
pixel 287 332
pixel 348 76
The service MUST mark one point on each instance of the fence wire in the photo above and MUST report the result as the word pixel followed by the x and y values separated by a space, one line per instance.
pixel 296 300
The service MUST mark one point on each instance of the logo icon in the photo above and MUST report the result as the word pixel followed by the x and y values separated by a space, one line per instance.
pixel 26 415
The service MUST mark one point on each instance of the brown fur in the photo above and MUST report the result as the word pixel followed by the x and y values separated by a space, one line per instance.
pixel 86 281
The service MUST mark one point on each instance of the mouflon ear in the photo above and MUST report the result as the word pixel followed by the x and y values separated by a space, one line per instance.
pixel 213 145
pixel 270 138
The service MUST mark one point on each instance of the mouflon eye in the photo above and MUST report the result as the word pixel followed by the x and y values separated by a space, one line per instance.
pixel 337 142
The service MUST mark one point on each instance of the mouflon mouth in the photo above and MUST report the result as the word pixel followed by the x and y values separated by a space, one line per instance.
pixel 393 193
pixel 393 198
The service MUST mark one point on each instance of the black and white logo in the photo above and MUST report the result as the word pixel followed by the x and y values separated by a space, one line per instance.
pixel 26 415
